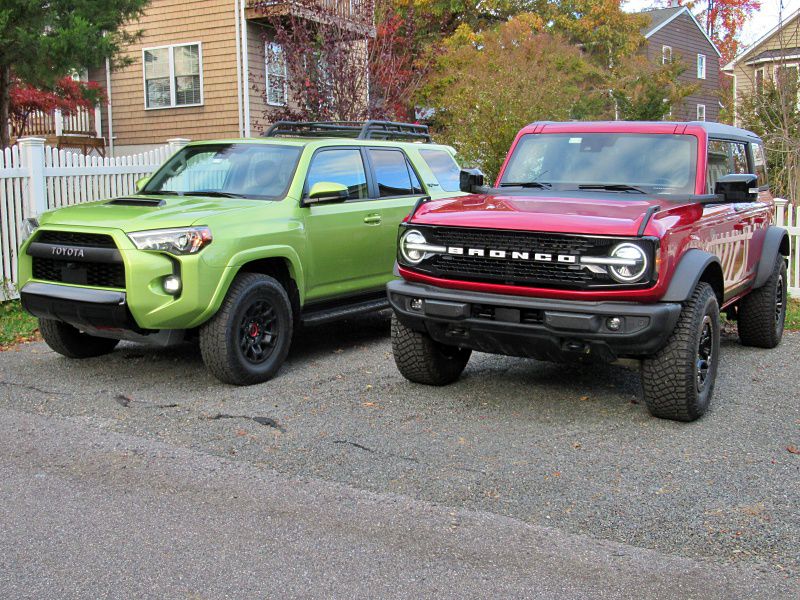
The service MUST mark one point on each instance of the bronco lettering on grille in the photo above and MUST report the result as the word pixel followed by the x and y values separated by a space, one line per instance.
pixel 514 255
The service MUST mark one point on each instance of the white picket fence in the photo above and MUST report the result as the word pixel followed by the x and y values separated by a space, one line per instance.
pixel 35 177
pixel 788 216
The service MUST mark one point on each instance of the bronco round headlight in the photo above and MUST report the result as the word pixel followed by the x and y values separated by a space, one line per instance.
pixel 412 246
pixel 631 264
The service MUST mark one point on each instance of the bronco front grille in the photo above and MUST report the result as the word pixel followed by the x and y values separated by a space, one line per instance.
pixel 74 269
pixel 513 271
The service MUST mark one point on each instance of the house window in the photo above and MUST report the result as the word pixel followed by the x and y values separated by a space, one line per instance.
pixel 701 66
pixel 173 76
pixel 759 81
pixel 277 75
pixel 701 112
pixel 666 54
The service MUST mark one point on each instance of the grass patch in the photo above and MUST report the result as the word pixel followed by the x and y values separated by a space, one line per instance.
pixel 16 325
pixel 793 314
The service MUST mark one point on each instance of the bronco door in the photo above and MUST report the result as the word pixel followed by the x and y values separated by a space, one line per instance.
pixel 730 226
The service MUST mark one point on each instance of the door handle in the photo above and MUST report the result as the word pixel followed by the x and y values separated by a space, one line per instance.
pixel 372 219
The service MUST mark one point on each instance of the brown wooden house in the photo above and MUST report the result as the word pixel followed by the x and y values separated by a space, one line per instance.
pixel 200 71
pixel 773 57
pixel 674 34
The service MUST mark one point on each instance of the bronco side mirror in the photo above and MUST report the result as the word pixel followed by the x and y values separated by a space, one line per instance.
pixel 737 187
pixel 327 191
pixel 470 180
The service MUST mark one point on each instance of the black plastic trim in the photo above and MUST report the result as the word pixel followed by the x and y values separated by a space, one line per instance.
pixel 771 248
pixel 687 275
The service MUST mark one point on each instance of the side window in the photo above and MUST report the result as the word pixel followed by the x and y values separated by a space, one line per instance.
pixel 339 166
pixel 739 155
pixel 391 172
pixel 718 164
pixel 415 184
pixel 760 164
pixel 724 158
pixel 444 167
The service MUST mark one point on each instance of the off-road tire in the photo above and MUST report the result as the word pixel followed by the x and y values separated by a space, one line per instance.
pixel 762 313
pixel 69 341
pixel 670 379
pixel 422 360
pixel 222 338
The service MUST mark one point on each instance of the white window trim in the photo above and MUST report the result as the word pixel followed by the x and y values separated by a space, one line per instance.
pixel 701 58
pixel 699 106
pixel 267 46
pixel 664 59
pixel 172 90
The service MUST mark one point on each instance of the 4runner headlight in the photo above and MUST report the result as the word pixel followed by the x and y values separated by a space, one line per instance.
pixel 632 265
pixel 26 229
pixel 185 240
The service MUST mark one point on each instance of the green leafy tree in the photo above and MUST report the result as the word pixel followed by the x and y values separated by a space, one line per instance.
pixel 41 41
pixel 486 86
pixel 643 91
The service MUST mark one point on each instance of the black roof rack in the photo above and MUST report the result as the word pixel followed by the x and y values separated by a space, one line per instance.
pixel 360 130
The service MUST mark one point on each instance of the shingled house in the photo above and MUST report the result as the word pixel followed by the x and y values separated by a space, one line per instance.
pixel 674 34
pixel 773 57
pixel 201 70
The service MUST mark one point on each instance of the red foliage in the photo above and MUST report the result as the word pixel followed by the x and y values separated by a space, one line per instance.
pixel 67 95
pixel 723 21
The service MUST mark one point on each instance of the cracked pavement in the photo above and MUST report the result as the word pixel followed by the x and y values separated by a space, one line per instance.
pixel 569 486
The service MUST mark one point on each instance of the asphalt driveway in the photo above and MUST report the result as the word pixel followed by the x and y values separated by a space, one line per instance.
pixel 570 450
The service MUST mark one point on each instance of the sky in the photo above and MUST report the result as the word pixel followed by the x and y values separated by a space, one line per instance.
pixel 759 24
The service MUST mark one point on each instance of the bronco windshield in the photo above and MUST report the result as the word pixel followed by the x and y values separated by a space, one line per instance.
pixel 607 162
pixel 261 171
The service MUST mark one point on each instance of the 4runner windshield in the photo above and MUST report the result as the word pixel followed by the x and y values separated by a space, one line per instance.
pixel 622 163
pixel 260 171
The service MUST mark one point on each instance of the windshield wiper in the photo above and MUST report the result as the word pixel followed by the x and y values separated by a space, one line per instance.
pixel 529 184
pixel 160 193
pixel 213 194
pixel 611 187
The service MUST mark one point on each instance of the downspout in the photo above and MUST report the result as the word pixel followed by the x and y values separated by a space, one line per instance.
pixel 110 110
pixel 245 70
pixel 239 84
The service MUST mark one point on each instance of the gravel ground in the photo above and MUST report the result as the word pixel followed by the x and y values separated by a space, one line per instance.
pixel 565 447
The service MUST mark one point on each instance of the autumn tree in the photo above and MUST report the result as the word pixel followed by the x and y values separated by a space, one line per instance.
pixel 723 21
pixel 487 85
pixel 41 41
pixel 340 68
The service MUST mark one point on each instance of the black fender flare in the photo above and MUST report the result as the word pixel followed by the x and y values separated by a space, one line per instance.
pixel 688 273
pixel 776 241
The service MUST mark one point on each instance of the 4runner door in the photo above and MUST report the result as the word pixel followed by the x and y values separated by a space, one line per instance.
pixel 396 188
pixel 345 239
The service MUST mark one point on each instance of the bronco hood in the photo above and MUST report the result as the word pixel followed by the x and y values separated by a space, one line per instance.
pixel 137 213
pixel 582 212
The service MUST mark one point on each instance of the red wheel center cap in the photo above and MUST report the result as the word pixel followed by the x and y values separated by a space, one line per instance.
pixel 254 329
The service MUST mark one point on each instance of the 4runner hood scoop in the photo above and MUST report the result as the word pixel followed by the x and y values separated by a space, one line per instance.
pixel 582 214
pixel 137 202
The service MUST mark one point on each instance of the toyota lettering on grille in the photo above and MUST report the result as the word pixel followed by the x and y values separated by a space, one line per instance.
pixel 67 251
pixel 514 255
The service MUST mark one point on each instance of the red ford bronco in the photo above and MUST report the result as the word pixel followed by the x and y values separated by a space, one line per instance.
pixel 614 242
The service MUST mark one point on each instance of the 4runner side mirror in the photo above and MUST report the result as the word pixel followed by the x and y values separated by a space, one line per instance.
pixel 470 180
pixel 737 187
pixel 140 183
pixel 327 191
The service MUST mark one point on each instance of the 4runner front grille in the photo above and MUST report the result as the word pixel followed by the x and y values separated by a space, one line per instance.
pixel 512 271
pixel 74 269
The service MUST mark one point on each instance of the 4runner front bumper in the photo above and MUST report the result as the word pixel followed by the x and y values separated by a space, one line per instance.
pixel 534 327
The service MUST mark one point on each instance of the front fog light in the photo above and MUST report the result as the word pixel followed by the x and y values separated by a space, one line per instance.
pixel 614 323
pixel 630 263
pixel 172 284
pixel 415 304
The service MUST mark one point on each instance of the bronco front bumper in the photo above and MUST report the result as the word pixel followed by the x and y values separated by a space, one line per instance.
pixel 539 328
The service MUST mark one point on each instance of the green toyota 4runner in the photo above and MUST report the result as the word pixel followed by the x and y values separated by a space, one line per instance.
pixel 237 241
